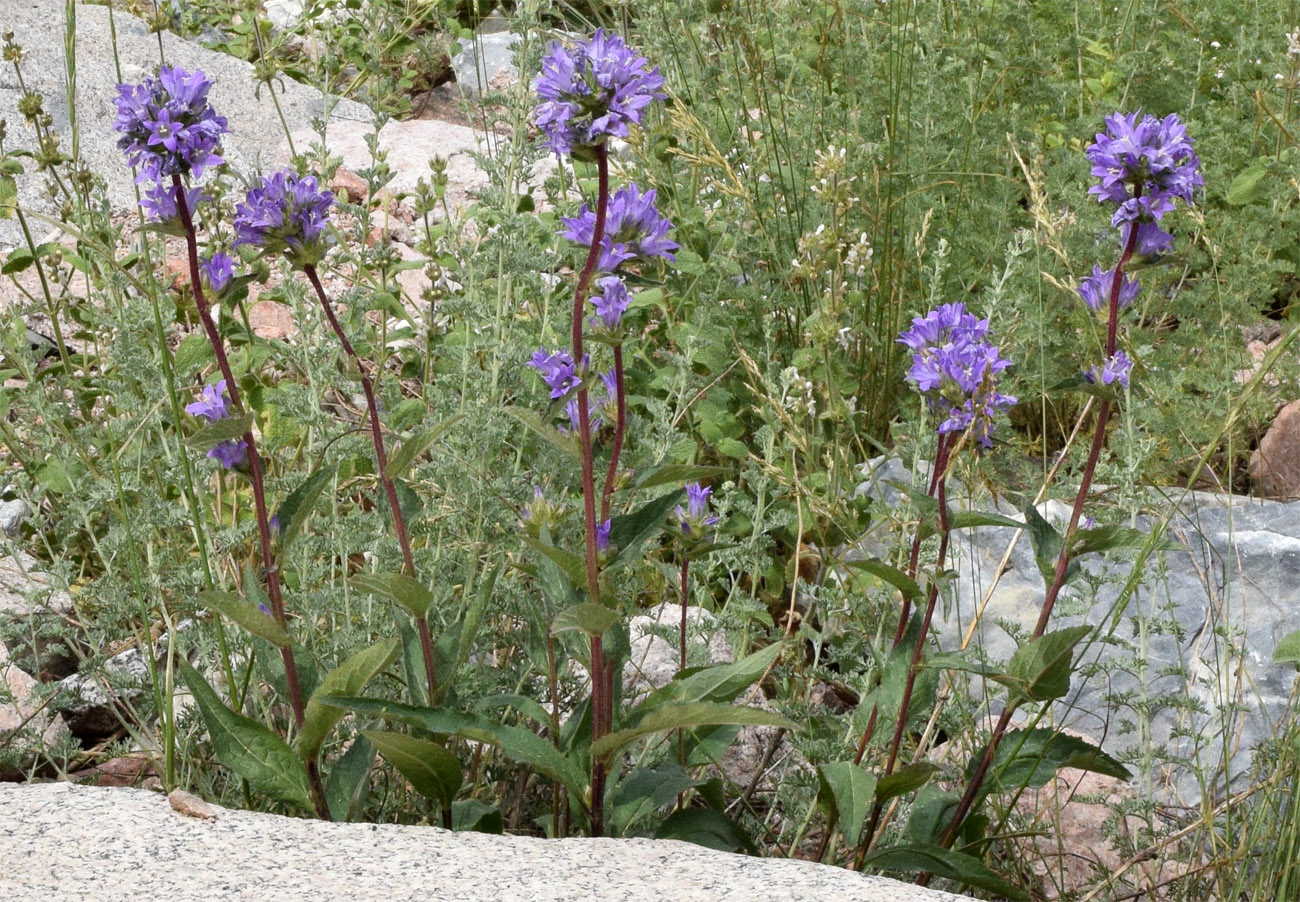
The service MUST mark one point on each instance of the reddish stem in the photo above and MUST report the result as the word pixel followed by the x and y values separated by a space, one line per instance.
pixel 620 430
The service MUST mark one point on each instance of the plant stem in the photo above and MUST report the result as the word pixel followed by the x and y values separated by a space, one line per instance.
pixel 620 430
pixel 601 688
pixel 381 461
pixel 1062 559
pixel 255 476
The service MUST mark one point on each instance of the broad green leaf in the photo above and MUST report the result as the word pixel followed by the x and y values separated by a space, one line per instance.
pixel 971 519
pixel 686 716
pixel 213 434
pixel 964 661
pixel 1288 650
pixel 571 565
pixel 931 811
pixel 529 707
pixel 1104 538
pixel 471 814
pixel 905 779
pixel 718 683
pixel 516 743
pixel 706 827
pixel 1039 671
pixel 927 859
pixel 418 442
pixel 431 769
pixel 194 353
pixel 247 747
pixel 246 615
pixel 346 679
pixel 1247 187
pixel 19 259
pixel 1047 546
pixel 892 575
pixel 628 532
pixel 411 594
pixel 1030 758
pixel 680 474
pixel 851 789
pixel 298 504
pixel 644 791
pixel 347 780
pixel 592 619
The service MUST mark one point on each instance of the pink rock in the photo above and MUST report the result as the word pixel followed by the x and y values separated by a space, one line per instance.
pixel 1275 464
pixel 15 713
pixel 272 321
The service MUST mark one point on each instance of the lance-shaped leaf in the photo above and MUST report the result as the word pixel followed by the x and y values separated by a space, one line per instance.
pixel 592 619
pixel 892 575
pixel 347 781
pixel 417 444
pixel 298 504
pixel 431 769
pixel 1039 671
pixel 680 474
pixel 515 743
pixel 571 565
pixel 644 791
pixel 686 716
pixel 905 779
pixel 1030 758
pixel 628 532
pixel 718 683
pixel 706 827
pixel 346 679
pixel 850 789
pixel 247 747
pixel 221 431
pixel 246 615
pixel 941 862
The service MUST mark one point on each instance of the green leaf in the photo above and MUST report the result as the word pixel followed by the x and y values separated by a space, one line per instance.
pixel 411 594
pixel 733 448
pixel 686 716
pixel 927 859
pixel 1039 671
pixel 930 813
pixel 516 743
pixel 213 434
pixel 1047 545
pixel 706 827
pixel 298 504
pixel 247 747
pixel 417 444
pixel 534 421
pixel 905 779
pixel 1247 187
pixel 628 532
pixel 851 789
pixel 589 618
pixel 431 769
pixel 892 575
pixel 680 474
pixel 347 781
pixel 1030 758
pixel 1288 650
pixel 718 683
pixel 54 477
pixel 971 519
pixel 572 566
pixel 19 259
pixel 346 679
pixel 644 791
pixel 1104 538
pixel 471 814
pixel 246 615
pixel 193 353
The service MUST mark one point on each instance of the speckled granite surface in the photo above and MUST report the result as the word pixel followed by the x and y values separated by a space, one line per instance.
pixel 65 842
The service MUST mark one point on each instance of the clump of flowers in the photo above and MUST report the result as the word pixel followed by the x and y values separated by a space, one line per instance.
pixel 557 370
pixel 213 406
pixel 286 213
pixel 592 91
pixel 1095 289
pixel 167 126
pixel 1142 164
pixel 1115 369
pixel 634 230
pixel 955 366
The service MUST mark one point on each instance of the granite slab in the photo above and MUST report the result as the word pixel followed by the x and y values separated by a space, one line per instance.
pixel 63 841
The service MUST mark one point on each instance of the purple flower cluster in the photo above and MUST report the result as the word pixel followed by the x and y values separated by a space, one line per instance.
pixel 159 201
pixel 634 230
pixel 611 303
pixel 167 125
pixel 1142 164
pixel 218 269
pixel 1095 290
pixel 212 406
pixel 286 213
pixel 558 371
pixel 955 366
pixel 1115 369
pixel 600 405
pixel 592 91
pixel 695 518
